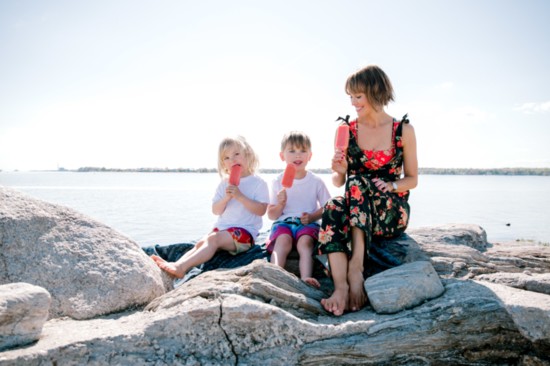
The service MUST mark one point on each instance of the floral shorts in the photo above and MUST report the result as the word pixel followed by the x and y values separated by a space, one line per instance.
pixel 241 237
pixel 291 226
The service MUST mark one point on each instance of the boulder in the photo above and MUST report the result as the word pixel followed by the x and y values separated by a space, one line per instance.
pixel 23 312
pixel 536 282
pixel 403 287
pixel 88 268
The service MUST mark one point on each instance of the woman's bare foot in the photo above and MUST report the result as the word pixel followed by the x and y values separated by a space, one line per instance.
pixel 312 282
pixel 357 295
pixel 337 303
pixel 169 267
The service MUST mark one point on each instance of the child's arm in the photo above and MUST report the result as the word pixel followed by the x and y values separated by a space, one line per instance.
pixel 308 218
pixel 275 211
pixel 218 207
pixel 255 207
pixel 323 195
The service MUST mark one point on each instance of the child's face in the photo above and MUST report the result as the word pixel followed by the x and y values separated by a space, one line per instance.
pixel 299 156
pixel 234 155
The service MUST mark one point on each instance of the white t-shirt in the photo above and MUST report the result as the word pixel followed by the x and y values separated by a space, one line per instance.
pixel 305 195
pixel 235 214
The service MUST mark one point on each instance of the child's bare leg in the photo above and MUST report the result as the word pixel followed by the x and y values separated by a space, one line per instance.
pixel 170 267
pixel 337 303
pixel 221 240
pixel 305 250
pixel 283 246
pixel 195 247
pixel 357 295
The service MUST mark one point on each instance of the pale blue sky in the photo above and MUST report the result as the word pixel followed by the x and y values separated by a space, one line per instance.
pixel 132 83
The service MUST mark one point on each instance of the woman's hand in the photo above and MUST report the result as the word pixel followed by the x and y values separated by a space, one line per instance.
pixel 339 161
pixel 383 186
pixel 339 167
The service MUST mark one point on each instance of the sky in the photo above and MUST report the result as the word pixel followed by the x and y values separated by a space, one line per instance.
pixel 158 84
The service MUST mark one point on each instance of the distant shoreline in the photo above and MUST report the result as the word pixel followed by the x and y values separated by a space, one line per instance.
pixel 433 171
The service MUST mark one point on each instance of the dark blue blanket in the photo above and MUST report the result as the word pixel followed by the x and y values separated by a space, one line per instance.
pixel 222 259
pixel 382 255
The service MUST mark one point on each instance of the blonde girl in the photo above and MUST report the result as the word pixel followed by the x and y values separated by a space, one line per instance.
pixel 239 209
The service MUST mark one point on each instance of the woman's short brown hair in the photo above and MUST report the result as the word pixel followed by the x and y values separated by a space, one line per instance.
pixel 374 83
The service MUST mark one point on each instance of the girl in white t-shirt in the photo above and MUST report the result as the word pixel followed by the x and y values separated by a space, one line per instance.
pixel 239 207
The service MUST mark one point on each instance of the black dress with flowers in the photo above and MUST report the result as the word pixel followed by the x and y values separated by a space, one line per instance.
pixel 379 214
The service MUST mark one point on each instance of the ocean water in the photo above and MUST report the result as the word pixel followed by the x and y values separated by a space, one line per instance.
pixel 165 208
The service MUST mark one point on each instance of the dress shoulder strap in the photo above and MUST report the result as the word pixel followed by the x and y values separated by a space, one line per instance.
pixel 399 131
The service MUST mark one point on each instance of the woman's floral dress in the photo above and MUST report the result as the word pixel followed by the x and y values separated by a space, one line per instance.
pixel 379 214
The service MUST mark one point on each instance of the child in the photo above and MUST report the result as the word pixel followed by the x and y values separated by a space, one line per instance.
pixel 296 209
pixel 240 210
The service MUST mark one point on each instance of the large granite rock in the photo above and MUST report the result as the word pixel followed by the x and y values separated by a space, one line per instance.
pixel 261 314
pixel 23 312
pixel 88 268
pixel 403 287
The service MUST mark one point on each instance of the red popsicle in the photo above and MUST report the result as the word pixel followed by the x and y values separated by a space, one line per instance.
pixel 235 176
pixel 288 176
pixel 342 137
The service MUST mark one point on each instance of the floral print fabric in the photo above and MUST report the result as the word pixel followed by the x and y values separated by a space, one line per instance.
pixel 379 214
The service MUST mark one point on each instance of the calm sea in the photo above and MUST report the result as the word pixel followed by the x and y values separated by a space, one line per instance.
pixel 165 208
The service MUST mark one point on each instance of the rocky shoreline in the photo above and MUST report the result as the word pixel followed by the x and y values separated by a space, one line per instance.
pixel 88 295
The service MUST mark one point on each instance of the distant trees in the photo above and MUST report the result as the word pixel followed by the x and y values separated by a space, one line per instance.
pixel 146 170
pixel 438 171
pixel 489 171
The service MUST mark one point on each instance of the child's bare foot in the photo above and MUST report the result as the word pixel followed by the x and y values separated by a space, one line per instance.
pixel 357 295
pixel 337 303
pixel 169 267
pixel 312 282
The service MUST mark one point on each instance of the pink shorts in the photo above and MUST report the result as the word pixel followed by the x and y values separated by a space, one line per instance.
pixel 241 238
pixel 293 227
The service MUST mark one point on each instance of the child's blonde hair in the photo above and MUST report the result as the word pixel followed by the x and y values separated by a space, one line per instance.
pixel 242 144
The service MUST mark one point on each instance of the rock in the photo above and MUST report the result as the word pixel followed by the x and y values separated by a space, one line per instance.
pixel 529 311
pixel 88 268
pixel 262 314
pixel 457 234
pixel 23 312
pixel 531 282
pixel 403 287
pixel 453 259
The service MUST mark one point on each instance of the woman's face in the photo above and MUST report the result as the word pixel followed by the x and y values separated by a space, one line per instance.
pixel 361 104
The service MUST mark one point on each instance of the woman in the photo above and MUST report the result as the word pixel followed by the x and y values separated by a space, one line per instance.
pixel 379 168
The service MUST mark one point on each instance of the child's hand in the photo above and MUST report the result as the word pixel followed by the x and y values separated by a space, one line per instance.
pixel 233 192
pixel 281 198
pixel 305 219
